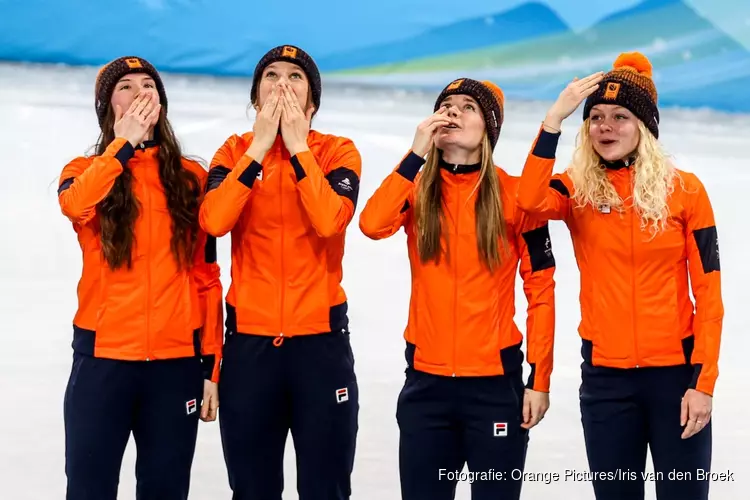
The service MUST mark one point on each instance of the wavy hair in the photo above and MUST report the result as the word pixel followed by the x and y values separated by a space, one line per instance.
pixel 119 210
pixel 653 180
pixel 490 219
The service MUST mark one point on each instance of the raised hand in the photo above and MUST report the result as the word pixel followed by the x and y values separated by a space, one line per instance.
pixel 572 97
pixel 266 125
pixel 135 123
pixel 295 123
pixel 425 135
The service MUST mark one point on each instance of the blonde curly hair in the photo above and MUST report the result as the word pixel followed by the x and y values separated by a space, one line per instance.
pixel 652 185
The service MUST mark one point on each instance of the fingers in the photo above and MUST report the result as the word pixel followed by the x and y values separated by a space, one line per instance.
pixel 153 117
pixel 210 405
pixel 594 77
pixel 588 85
pixel 204 408
pixel 696 421
pixel 134 105
pixel 433 127
pixel 433 122
pixel 690 429
pixel 440 114
pixel 287 103
pixel 118 113
pixel 290 99
pixel 144 107
pixel 277 111
pixel 270 105
pixel 683 412
pixel 535 414
pixel 213 408
pixel 526 412
pixel 209 409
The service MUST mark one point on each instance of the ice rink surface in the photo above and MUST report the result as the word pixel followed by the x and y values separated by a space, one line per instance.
pixel 47 118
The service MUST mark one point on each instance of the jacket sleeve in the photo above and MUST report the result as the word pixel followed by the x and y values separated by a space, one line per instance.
pixel 206 274
pixel 705 278
pixel 539 192
pixel 537 270
pixel 85 182
pixel 389 207
pixel 330 200
pixel 228 188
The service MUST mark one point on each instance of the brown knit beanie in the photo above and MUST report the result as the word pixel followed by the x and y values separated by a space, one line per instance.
pixel 294 55
pixel 629 84
pixel 489 97
pixel 111 73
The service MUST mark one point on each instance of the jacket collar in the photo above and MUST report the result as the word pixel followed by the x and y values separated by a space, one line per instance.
pixel 147 145
pixel 458 168
pixel 626 162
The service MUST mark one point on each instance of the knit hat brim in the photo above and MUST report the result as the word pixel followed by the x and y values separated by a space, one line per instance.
pixel 630 85
pixel 489 97
pixel 294 55
pixel 112 72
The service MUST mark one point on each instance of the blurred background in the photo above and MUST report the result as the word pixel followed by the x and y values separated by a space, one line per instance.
pixel 700 48
pixel 383 64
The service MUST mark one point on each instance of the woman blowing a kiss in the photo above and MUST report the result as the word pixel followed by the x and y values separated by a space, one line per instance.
pixel 287 194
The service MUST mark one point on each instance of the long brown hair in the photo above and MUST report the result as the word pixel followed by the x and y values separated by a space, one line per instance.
pixel 119 210
pixel 490 221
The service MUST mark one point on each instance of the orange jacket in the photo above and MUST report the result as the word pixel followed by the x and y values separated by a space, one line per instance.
pixel 635 304
pixel 461 317
pixel 152 311
pixel 288 219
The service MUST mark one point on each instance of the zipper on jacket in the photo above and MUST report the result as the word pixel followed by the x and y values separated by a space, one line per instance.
pixel 148 273
pixel 280 339
pixel 633 272
pixel 455 275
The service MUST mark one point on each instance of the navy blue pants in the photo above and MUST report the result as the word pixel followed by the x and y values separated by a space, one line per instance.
pixel 448 422
pixel 626 411
pixel 306 386
pixel 106 400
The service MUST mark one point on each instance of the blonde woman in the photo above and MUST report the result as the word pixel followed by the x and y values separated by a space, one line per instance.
pixel 644 237
pixel 464 400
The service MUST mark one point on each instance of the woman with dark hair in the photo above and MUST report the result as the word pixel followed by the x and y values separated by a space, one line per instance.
pixel 286 193
pixel 147 334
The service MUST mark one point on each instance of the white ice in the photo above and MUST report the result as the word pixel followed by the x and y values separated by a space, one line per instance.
pixel 47 117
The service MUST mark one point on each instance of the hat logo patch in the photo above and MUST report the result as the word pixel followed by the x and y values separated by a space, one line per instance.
pixel 288 51
pixel 613 89
pixel 133 63
pixel 455 84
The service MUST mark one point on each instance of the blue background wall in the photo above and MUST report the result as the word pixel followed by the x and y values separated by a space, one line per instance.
pixel 700 48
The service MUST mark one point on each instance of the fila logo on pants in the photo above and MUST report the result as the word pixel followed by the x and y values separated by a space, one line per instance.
pixel 342 395
pixel 191 406
pixel 500 429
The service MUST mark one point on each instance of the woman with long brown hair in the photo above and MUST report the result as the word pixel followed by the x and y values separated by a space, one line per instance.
pixel 147 334
pixel 645 238
pixel 464 400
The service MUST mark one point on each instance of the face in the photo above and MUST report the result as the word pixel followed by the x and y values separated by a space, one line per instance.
pixel 467 124
pixel 614 131
pixel 129 86
pixel 283 73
